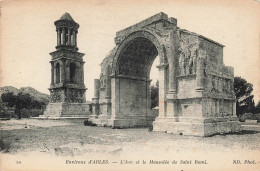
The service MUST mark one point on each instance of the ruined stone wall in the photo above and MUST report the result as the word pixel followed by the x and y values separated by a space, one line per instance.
pixel 189 107
pixel 219 82
pixel 217 79
pixel 186 87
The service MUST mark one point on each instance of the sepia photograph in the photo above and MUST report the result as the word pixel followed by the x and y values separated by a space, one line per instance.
pixel 129 85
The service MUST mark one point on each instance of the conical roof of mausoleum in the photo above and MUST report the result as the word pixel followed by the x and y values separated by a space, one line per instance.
pixel 66 21
pixel 66 16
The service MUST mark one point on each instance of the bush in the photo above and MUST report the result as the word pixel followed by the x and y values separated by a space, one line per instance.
pixel 150 129
pixel 89 123
pixel 257 117
pixel 25 105
pixel 4 113
pixel 252 116
pixel 27 113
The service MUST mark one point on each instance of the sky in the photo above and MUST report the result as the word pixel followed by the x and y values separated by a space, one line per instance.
pixel 28 34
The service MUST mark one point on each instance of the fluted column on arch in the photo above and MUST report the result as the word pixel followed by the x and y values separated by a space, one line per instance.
pixel 95 99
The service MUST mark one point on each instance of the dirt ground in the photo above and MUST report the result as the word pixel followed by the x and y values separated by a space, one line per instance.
pixel 70 138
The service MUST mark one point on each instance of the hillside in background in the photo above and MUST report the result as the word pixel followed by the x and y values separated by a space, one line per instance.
pixel 33 92
pixel 7 89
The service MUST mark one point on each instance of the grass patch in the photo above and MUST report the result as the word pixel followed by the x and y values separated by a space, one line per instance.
pixel 4 146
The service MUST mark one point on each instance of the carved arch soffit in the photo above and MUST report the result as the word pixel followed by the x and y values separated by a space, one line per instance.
pixel 73 61
pixel 148 34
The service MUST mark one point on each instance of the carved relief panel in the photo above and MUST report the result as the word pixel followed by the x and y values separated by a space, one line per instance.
pixel 74 96
pixel 219 85
pixel 188 55
pixel 55 96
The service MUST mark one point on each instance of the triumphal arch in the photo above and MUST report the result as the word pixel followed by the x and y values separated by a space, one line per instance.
pixel 196 94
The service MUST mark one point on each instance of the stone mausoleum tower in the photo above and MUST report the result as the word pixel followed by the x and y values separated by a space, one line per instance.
pixel 67 89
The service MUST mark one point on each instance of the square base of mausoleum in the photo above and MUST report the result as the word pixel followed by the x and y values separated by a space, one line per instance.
pixel 122 123
pixel 197 126
pixel 66 110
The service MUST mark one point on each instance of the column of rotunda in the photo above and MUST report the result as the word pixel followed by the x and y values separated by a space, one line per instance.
pixel 61 36
pixel 71 41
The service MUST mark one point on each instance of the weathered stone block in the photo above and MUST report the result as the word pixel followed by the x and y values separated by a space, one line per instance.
pixel 67 109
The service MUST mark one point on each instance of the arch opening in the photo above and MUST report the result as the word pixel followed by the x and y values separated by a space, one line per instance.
pixel 137 58
pixel 57 73
pixel 72 72
pixel 154 87
pixel 133 68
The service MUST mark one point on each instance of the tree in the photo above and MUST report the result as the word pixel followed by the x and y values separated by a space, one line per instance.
pixel 35 104
pixel 9 98
pixel 20 101
pixel 154 94
pixel 257 108
pixel 244 97
pixel 258 104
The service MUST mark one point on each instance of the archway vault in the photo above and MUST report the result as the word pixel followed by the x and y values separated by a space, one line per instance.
pixel 140 46
pixel 136 59
pixel 192 77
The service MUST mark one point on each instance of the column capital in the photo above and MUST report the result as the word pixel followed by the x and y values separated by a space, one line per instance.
pixel 162 66
pixel 95 100
pixel 171 96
